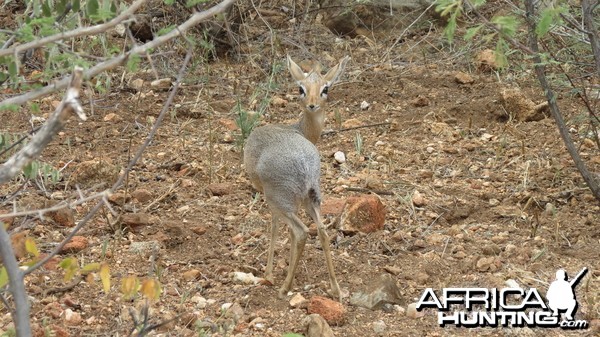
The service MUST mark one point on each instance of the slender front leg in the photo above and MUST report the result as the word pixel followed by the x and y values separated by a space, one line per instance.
pixel 273 238
pixel 299 233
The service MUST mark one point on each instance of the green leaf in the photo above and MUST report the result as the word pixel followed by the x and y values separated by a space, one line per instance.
pixel 46 10
pixel 3 277
pixel 91 8
pixel 548 17
pixel 76 6
pixel 133 62
pixel 12 69
pixel 165 30
pixel 471 32
pixel 477 3
pixel 192 3
pixel 169 2
pixel 507 24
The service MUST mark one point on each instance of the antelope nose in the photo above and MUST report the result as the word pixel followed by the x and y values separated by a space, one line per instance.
pixel 312 106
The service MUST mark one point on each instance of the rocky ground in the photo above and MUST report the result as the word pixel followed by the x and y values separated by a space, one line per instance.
pixel 476 186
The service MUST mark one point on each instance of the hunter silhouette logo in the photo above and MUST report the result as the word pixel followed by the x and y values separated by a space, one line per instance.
pixel 561 293
pixel 508 307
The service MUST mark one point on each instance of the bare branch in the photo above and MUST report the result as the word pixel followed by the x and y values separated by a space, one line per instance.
pixel 119 60
pixel 93 30
pixel 20 315
pixel 593 34
pixel 132 163
pixel 56 122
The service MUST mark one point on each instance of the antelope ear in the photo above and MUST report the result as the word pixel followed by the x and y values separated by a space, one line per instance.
pixel 333 75
pixel 295 70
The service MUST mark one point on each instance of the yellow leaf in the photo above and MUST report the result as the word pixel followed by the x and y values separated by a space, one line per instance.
pixel 90 267
pixel 129 286
pixel 70 266
pixel 105 277
pixel 3 277
pixel 151 289
pixel 31 248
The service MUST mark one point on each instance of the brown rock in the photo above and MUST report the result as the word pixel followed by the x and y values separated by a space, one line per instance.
pixel 364 213
pixel 298 301
pixel 191 275
pixel 351 123
pixel 486 60
pixel 418 199
pixel 135 220
pixel 53 309
pixel 228 124
pixel 237 239
pixel 52 264
pixel 93 172
pixel 18 243
pixel 463 78
pixel 142 195
pixel 420 101
pixel 71 317
pixel 77 244
pixel 118 198
pixel 333 312
pixel 62 217
pixel 199 230
pixel 220 189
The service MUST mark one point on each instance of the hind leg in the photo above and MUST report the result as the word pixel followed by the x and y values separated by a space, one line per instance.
pixel 315 214
pixel 298 232
pixel 273 237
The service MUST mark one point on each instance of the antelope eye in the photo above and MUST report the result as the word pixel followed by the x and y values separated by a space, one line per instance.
pixel 301 91
pixel 325 91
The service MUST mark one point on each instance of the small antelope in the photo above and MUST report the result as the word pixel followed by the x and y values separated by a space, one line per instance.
pixel 283 163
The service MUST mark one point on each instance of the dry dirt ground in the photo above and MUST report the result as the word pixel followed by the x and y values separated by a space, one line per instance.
pixel 502 198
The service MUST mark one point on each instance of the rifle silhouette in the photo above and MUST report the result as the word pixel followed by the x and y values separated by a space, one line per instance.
pixel 578 277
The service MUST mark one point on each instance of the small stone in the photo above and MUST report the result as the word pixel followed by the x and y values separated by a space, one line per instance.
pixel 351 123
pixel 63 217
pixel 333 206
pixel 486 60
pixel 137 84
pixel 118 198
pixel 298 301
pixel 233 311
pixel 237 239
pixel 142 195
pixel 339 157
pixel 200 301
pixel 333 312
pixel 430 149
pixel 112 117
pixel 220 189
pixel 245 278
pixel 191 275
pixel 494 202
pixel 163 83
pixel 144 248
pixel 418 199
pixel 420 101
pixel 135 220
pixel 278 101
pixel 379 327
pixel 77 244
pixel 199 230
pixel 485 263
pixel 379 292
pixel 229 124
pixel 550 209
pixel 316 326
pixel 411 311
pixel 364 105
pixel 54 309
pixel 463 78
pixel 72 318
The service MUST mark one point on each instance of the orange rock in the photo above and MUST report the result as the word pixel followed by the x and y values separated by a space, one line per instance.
pixel 63 217
pixel 333 206
pixel 77 244
pixel 364 213
pixel 333 312
pixel 220 189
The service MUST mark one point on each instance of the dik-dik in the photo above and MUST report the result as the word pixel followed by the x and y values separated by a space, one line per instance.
pixel 283 163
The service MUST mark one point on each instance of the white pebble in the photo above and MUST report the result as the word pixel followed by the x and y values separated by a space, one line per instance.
pixel 340 157
pixel 364 105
